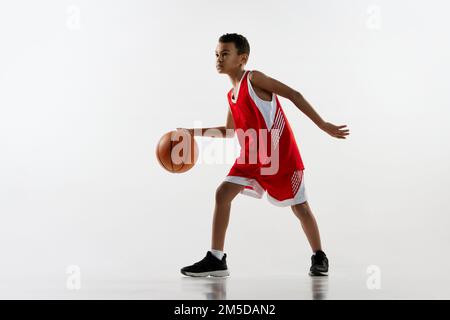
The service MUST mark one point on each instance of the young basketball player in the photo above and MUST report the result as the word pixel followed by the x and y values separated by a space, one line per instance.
pixel 256 113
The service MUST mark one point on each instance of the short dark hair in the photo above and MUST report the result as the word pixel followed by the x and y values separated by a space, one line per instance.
pixel 239 41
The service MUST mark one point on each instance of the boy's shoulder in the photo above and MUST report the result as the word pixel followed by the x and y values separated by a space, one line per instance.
pixel 252 74
pixel 256 77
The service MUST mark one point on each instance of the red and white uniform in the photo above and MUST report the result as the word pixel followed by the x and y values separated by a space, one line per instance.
pixel 284 185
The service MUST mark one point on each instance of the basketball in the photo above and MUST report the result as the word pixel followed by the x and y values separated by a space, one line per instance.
pixel 177 151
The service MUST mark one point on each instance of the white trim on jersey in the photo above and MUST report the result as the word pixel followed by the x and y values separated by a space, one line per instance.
pixel 239 87
pixel 267 108
pixel 279 125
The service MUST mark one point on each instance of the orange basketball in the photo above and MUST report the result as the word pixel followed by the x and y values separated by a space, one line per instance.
pixel 177 151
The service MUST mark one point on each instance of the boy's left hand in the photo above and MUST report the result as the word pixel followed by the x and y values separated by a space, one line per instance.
pixel 335 131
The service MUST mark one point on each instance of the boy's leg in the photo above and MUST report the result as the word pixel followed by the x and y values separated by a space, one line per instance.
pixel 225 193
pixel 309 224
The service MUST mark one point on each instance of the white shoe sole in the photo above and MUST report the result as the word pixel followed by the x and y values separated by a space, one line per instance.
pixel 218 273
pixel 318 274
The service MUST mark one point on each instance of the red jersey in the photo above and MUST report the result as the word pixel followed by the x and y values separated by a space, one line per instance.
pixel 269 159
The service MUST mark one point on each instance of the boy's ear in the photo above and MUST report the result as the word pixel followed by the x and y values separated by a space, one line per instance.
pixel 244 58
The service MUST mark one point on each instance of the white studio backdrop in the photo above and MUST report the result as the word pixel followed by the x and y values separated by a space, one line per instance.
pixel 87 88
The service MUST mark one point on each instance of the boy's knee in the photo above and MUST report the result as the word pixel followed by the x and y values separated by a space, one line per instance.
pixel 223 194
pixel 301 208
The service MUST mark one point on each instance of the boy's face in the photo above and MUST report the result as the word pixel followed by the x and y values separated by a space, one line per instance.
pixel 227 58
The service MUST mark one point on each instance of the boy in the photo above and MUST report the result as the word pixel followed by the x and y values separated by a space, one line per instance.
pixel 254 106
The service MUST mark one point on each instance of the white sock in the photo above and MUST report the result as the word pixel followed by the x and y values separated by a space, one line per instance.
pixel 217 253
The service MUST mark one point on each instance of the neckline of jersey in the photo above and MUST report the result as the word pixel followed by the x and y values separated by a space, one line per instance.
pixel 238 88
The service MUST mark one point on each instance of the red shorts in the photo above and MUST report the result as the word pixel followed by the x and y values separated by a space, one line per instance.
pixel 283 189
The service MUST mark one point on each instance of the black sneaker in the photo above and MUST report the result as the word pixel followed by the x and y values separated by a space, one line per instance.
pixel 319 264
pixel 208 266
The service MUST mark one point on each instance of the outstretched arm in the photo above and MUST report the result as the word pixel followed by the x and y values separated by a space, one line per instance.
pixel 267 83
